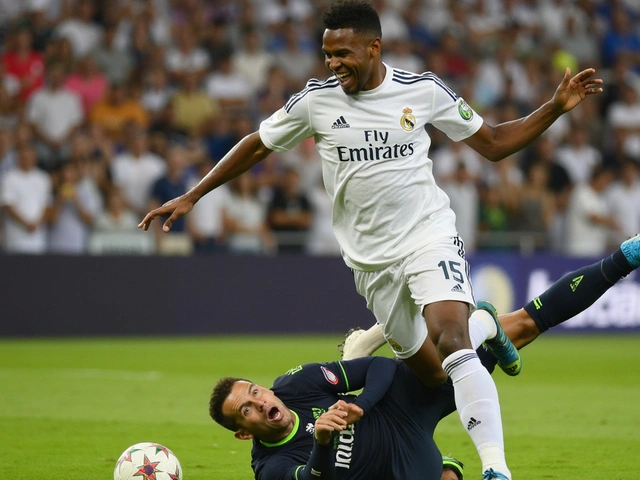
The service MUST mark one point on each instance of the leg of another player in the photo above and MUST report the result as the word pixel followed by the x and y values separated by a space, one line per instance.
pixel 572 294
pixel 475 392
pixel 558 303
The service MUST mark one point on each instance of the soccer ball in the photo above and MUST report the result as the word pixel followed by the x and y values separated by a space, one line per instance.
pixel 147 461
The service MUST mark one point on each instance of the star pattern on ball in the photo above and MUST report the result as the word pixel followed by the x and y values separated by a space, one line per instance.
pixel 175 476
pixel 148 470
pixel 160 448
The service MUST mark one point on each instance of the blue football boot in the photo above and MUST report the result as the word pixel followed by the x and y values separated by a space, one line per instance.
pixel 491 473
pixel 500 346
pixel 631 250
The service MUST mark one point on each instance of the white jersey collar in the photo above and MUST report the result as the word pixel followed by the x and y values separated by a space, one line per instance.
pixel 387 80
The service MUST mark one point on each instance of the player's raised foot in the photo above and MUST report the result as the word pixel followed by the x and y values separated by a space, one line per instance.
pixel 349 338
pixel 500 346
pixel 453 464
pixel 631 250
pixel 491 473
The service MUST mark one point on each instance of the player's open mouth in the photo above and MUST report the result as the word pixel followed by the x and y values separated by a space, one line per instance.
pixel 343 78
pixel 274 414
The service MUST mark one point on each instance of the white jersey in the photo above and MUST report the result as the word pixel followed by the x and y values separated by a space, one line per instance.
pixel 375 163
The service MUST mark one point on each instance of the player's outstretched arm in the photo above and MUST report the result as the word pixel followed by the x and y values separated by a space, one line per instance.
pixel 247 153
pixel 496 143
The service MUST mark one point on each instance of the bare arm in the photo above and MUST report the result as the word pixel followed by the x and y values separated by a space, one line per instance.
pixel 247 153
pixel 496 143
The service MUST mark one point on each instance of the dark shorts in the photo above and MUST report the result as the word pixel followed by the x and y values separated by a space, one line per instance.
pixel 413 411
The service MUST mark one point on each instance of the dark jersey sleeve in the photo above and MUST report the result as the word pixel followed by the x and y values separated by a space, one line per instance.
pixel 372 374
pixel 320 465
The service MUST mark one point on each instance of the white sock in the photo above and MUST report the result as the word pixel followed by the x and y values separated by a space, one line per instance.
pixel 481 327
pixel 478 407
pixel 363 343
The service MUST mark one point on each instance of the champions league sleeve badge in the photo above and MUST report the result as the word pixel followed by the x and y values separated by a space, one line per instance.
pixel 466 112
pixel 329 376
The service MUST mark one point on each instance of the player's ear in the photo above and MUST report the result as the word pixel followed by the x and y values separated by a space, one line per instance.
pixel 375 47
pixel 243 435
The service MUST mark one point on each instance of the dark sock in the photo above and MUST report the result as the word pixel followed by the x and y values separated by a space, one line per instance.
pixel 616 266
pixel 577 291
pixel 486 358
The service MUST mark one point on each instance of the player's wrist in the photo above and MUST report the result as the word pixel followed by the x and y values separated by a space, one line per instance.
pixel 323 441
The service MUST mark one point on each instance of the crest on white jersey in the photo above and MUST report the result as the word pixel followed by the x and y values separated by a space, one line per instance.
pixel 408 121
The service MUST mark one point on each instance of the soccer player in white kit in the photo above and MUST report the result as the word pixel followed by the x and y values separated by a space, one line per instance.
pixel 394 225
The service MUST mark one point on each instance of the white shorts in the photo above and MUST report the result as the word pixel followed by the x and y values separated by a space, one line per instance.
pixel 398 294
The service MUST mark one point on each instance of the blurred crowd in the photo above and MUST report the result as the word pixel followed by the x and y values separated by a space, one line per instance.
pixel 111 108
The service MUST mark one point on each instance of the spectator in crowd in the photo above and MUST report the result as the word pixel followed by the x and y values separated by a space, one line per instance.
pixel 578 156
pixel 115 61
pixel 167 187
pixel 589 221
pixel 116 218
pixel 38 22
pixel 227 87
pixel 136 170
pixel 293 54
pixel 501 55
pixel 206 222
pixel 88 82
pixel 9 82
pixel 156 97
pixel 448 159
pixel 191 108
pixel 494 219
pixel 322 240
pixel 246 219
pixel 9 109
pixel 55 114
pixel 621 39
pixel 623 201
pixel 277 90
pixel 580 42
pixel 219 136
pixel 26 200
pixel 535 207
pixel 8 157
pixel 290 214
pixel 74 209
pixel 81 30
pixel 186 56
pixel 252 62
pixel 461 187
pixel 116 111
pixel 24 63
pixel 624 120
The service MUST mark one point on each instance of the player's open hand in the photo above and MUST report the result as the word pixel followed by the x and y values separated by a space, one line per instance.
pixel 174 209
pixel 329 422
pixel 572 90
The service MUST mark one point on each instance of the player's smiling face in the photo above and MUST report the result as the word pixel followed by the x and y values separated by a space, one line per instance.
pixel 258 412
pixel 353 58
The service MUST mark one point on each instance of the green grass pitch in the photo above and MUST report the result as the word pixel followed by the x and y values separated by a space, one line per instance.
pixel 68 408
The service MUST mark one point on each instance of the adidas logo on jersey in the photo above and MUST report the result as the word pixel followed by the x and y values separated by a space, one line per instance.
pixel 457 288
pixel 473 423
pixel 340 123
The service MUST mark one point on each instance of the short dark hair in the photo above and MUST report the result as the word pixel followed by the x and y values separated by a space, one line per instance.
pixel 358 15
pixel 220 393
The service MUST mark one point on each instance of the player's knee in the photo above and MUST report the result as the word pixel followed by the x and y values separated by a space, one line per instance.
pixel 451 341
